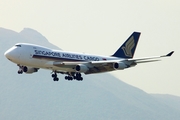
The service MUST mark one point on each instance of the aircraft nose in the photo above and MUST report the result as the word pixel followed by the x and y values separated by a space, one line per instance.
pixel 10 54
pixel 7 54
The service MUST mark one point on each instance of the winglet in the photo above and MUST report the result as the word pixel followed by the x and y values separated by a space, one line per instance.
pixel 169 54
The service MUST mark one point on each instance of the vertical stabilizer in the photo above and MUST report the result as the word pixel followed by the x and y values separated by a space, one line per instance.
pixel 128 48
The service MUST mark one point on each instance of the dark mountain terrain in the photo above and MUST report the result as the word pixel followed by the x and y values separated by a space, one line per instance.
pixel 36 96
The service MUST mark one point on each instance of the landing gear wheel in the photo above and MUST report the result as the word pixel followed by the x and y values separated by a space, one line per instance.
pixel 74 77
pixel 56 79
pixel 20 71
pixel 78 77
pixel 54 76
pixel 68 77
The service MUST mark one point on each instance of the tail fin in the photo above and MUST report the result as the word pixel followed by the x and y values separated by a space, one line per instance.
pixel 128 48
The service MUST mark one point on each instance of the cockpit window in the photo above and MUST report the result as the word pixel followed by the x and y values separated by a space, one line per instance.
pixel 18 45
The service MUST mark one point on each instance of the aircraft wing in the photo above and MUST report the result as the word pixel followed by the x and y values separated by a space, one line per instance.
pixel 149 59
pixel 93 66
pixel 90 67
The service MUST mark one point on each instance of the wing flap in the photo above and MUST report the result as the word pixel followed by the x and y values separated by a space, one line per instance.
pixel 147 61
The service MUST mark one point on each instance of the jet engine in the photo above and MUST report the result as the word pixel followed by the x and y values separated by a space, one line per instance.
pixel 29 69
pixel 81 68
pixel 119 65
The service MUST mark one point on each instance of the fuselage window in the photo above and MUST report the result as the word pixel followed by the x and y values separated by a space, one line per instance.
pixel 18 45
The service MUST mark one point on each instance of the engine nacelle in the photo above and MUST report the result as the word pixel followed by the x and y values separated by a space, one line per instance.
pixel 29 69
pixel 81 68
pixel 119 66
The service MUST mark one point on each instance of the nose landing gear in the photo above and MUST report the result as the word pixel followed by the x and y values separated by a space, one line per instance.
pixel 20 71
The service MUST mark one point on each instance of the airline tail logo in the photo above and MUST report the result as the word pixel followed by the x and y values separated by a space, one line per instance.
pixel 128 47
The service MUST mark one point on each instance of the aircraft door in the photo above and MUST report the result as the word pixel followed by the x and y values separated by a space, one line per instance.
pixel 31 53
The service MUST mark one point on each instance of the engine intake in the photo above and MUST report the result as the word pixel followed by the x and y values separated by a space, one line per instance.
pixel 119 66
pixel 29 69
pixel 81 68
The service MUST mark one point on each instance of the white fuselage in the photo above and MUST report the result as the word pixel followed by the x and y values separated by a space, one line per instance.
pixel 30 58
pixel 42 57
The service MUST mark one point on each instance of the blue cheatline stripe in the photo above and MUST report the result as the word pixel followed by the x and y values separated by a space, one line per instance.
pixel 55 58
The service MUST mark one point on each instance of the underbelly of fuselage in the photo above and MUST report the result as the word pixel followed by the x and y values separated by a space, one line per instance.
pixel 45 64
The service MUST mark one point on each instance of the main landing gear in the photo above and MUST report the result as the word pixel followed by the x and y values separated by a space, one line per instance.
pixel 76 76
pixel 54 76
pixel 70 76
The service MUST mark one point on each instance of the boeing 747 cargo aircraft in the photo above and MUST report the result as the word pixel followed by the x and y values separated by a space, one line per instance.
pixel 30 58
